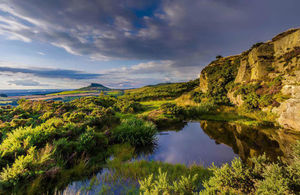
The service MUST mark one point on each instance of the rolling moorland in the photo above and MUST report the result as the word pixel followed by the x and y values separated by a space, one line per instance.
pixel 45 145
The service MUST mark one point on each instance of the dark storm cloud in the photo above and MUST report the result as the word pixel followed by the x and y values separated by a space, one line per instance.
pixel 189 33
pixel 51 73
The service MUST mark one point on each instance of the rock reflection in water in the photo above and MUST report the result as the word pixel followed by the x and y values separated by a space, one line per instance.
pixel 249 141
pixel 205 142
pixel 208 142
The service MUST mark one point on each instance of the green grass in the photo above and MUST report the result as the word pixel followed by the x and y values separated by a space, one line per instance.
pixel 130 173
pixel 233 118
pixel 124 115
pixel 152 105
pixel 135 131
pixel 141 169
pixel 202 112
pixel 148 107
pixel 160 92
pixel 115 93
pixel 72 92
pixel 155 104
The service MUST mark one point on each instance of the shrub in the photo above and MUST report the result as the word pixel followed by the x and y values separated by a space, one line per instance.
pixel 92 102
pixel 219 57
pixel 260 177
pixel 172 109
pixel 275 181
pixel 135 131
pixel 87 140
pixel 47 115
pixel 127 106
pixel 265 101
pixel 21 122
pixel 73 128
pixel 28 165
pixel 23 138
pixel 162 185
pixel 256 45
pixel 77 117
pixel 230 179
pixel 64 148
pixel 198 96
pixel 219 78
pixel 202 108
pixel 251 101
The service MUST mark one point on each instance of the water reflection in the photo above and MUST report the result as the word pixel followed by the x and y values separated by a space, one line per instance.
pixel 201 142
pixel 207 142
pixel 190 145
pixel 249 141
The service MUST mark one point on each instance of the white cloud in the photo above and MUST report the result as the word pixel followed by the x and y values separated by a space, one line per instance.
pixel 24 82
pixel 41 53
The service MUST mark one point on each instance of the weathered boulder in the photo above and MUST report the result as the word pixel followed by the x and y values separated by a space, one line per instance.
pixel 289 110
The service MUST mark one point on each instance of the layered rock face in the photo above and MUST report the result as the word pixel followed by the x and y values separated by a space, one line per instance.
pixel 279 57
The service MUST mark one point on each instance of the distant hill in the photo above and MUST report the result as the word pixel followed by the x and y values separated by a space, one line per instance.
pixel 159 84
pixel 3 95
pixel 95 87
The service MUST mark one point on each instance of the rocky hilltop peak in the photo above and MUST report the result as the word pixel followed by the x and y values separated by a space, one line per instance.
pixel 95 87
pixel 266 77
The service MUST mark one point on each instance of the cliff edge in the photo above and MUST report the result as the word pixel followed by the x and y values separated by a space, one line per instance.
pixel 266 78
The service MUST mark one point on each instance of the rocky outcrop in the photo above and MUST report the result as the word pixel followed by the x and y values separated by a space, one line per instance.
pixel 236 100
pixel 203 82
pixel 244 72
pixel 260 60
pixel 267 60
pixel 279 57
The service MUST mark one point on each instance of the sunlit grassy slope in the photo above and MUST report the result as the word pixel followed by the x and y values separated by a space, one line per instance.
pixel 161 91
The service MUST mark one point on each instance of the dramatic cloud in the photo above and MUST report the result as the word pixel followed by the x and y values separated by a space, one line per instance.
pixel 187 33
pixel 173 38
pixel 51 73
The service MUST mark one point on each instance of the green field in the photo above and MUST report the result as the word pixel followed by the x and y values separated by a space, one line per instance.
pixel 5 101
pixel 115 93
pixel 72 92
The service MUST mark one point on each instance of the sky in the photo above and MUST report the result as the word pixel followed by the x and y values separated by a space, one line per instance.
pixel 56 44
